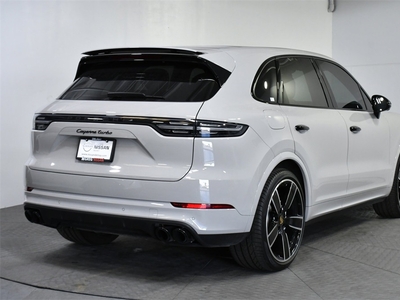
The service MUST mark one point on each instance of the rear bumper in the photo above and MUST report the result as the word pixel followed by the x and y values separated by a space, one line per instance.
pixel 207 227
pixel 169 231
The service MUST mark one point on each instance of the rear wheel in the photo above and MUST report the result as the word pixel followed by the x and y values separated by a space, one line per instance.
pixel 390 207
pixel 85 237
pixel 278 225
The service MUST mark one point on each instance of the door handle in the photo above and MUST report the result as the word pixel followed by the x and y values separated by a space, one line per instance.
pixel 301 128
pixel 355 129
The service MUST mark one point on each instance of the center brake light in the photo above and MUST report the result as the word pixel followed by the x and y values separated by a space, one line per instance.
pixel 201 205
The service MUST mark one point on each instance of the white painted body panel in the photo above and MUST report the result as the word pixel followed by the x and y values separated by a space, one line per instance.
pixel 150 171
pixel 369 163
pixel 323 149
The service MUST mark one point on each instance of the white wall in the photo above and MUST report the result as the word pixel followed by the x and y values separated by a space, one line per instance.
pixel 42 42
pixel 366 40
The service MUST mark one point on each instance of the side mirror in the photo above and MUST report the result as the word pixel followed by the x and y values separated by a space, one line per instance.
pixel 380 104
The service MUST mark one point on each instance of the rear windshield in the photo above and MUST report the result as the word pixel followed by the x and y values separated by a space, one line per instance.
pixel 144 80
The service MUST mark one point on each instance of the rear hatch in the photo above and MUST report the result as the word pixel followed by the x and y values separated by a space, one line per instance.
pixel 130 113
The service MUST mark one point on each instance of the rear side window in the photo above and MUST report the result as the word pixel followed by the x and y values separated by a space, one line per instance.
pixel 265 89
pixel 127 79
pixel 299 83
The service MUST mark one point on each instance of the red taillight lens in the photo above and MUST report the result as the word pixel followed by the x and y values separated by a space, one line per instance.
pixel 199 128
pixel 201 205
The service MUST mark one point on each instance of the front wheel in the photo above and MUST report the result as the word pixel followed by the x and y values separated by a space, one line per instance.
pixel 278 225
pixel 390 207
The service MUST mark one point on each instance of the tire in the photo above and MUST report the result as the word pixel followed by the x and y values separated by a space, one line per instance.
pixel 278 226
pixel 84 237
pixel 390 207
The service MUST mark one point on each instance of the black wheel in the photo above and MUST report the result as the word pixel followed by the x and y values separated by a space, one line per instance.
pixel 85 237
pixel 278 225
pixel 390 207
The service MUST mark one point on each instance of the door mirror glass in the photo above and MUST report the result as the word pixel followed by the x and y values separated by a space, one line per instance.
pixel 380 104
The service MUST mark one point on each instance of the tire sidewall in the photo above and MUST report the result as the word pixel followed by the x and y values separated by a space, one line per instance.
pixel 395 189
pixel 274 180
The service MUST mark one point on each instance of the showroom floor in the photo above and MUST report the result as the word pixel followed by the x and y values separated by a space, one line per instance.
pixel 352 255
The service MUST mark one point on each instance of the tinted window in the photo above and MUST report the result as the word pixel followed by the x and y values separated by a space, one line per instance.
pixel 345 91
pixel 300 84
pixel 265 86
pixel 144 80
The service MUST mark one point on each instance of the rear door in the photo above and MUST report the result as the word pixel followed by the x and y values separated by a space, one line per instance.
pixel 319 133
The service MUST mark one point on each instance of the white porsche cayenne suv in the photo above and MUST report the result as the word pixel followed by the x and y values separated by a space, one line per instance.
pixel 217 147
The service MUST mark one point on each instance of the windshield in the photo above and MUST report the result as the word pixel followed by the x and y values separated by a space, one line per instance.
pixel 143 80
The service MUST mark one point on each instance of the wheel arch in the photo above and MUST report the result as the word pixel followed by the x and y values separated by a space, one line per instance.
pixel 297 170
pixel 292 163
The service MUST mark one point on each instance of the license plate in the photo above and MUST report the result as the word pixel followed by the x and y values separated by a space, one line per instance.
pixel 96 150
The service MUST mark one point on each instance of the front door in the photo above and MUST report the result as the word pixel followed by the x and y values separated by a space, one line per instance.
pixel 368 158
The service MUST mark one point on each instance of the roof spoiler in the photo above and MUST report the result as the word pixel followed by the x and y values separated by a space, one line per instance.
pixel 142 51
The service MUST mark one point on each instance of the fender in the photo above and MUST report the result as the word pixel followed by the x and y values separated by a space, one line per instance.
pixel 281 157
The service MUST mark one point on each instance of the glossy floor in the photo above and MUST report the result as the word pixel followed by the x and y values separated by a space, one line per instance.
pixel 352 255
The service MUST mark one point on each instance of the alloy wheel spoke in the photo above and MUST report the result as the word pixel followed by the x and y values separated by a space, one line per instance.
pixel 273 235
pixel 276 202
pixel 291 195
pixel 285 246
pixel 296 222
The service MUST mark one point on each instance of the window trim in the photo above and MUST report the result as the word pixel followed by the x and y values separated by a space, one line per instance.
pixel 278 77
pixel 325 87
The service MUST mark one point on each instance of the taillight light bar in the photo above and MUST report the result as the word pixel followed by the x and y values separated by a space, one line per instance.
pixel 165 126
pixel 200 128
pixel 201 205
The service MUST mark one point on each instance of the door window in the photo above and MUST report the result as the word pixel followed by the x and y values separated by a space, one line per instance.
pixel 299 83
pixel 344 89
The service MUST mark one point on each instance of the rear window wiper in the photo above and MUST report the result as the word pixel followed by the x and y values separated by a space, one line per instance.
pixel 132 96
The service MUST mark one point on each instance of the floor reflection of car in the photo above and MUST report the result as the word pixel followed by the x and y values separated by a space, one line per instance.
pixel 217 147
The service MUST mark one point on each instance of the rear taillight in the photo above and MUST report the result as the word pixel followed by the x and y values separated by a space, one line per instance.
pixel 41 122
pixel 201 205
pixel 165 126
pixel 185 128
pixel 219 129
pixel 200 128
